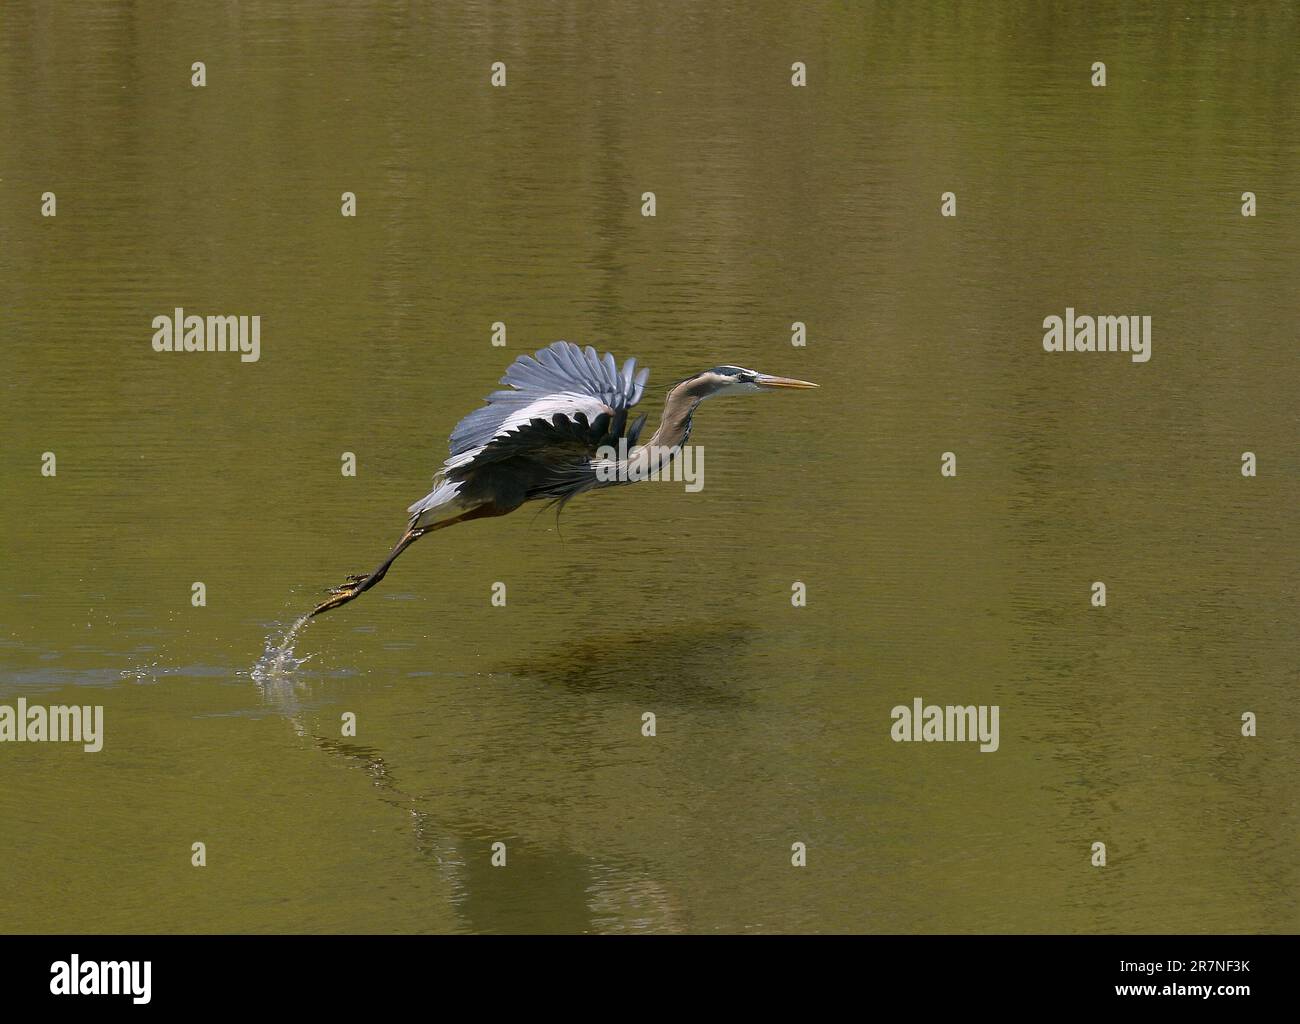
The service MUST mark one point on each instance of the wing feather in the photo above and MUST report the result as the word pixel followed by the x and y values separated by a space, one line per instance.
pixel 561 378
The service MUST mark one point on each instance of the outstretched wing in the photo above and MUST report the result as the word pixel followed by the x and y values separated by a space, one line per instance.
pixel 564 399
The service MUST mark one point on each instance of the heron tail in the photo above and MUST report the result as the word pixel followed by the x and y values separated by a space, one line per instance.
pixel 358 585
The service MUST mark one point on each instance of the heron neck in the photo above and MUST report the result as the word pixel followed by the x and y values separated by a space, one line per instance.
pixel 674 428
pixel 675 423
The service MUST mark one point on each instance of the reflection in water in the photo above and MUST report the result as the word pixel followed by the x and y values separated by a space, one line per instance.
pixel 541 889
pixel 547 888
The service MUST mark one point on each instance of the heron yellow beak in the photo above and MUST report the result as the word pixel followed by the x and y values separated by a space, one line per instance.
pixel 768 381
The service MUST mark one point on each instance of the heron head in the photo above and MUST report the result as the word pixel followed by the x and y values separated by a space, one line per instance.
pixel 736 380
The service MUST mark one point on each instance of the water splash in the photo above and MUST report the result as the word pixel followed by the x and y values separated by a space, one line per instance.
pixel 277 678
pixel 278 664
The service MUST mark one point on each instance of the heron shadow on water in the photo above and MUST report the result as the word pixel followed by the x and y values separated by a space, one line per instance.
pixel 674 667
pixel 560 430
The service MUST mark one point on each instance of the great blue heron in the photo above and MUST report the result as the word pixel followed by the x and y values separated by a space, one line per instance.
pixel 558 432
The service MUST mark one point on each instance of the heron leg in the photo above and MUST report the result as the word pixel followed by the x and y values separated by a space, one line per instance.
pixel 358 585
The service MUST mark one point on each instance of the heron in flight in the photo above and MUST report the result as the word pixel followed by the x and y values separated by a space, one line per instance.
pixel 551 436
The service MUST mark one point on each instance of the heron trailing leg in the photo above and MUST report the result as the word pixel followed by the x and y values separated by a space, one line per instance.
pixel 358 585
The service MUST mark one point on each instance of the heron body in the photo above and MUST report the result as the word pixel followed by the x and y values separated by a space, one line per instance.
pixel 549 436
